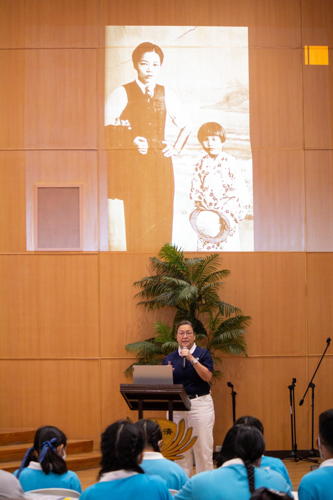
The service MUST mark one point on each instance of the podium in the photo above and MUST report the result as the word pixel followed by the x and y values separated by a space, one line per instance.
pixel 156 398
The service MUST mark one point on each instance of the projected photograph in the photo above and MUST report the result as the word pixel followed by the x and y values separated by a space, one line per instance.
pixel 179 161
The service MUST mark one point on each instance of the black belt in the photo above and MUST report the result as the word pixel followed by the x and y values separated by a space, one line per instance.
pixel 193 396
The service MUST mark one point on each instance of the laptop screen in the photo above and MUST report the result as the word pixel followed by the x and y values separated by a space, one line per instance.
pixel 152 374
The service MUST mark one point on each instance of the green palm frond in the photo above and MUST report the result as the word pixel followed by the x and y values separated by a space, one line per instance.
pixel 192 287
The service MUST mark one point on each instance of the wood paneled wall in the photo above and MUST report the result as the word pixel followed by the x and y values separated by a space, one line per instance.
pixel 65 317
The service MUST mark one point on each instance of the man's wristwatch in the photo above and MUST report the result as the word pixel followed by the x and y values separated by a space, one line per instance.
pixel 195 361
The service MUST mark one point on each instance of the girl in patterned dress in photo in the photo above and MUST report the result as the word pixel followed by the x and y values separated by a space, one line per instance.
pixel 219 193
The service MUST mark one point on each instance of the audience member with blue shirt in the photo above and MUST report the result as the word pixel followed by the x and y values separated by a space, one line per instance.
pixel 239 477
pixel 153 462
pixel 318 484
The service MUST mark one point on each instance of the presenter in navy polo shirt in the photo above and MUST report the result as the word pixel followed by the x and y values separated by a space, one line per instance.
pixel 193 367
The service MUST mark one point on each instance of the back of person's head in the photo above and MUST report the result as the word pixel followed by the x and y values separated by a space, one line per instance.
pixel 50 438
pixel 121 446
pixel 267 494
pixel 146 47
pixel 249 447
pixel 10 487
pixel 326 429
pixel 31 455
pixel 250 421
pixel 151 432
pixel 211 129
pixel 228 447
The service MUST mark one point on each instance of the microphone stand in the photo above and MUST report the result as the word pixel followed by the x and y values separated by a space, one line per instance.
pixel 293 454
pixel 233 396
pixel 312 452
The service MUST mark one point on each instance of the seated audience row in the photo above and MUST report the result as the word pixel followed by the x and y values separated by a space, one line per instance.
pixel 132 464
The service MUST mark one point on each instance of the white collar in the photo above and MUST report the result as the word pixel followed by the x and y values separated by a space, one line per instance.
pixel 193 348
pixel 35 466
pixel 117 474
pixel 152 455
pixel 327 463
pixel 233 461
pixel 143 86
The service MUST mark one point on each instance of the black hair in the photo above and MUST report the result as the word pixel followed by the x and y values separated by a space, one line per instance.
pixel 30 455
pixel 121 444
pixel 249 447
pixel 251 422
pixel 51 461
pixel 326 429
pixel 211 128
pixel 268 494
pixel 228 447
pixel 184 322
pixel 143 48
pixel 151 432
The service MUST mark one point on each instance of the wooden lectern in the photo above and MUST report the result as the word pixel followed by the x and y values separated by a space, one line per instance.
pixel 155 398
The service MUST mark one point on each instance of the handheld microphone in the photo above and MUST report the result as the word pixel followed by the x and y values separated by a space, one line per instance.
pixel 184 362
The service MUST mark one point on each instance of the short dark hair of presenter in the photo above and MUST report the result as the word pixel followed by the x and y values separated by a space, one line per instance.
pixel 146 47
pixel 121 446
pixel 325 437
pixel 185 335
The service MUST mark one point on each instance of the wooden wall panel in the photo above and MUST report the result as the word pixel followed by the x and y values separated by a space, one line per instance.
pixel 122 322
pixel 51 23
pixel 318 105
pixel 60 107
pixel 269 287
pixel 12 81
pixel 267 21
pixel 262 391
pixel 319 202
pixel 317 22
pixel 278 200
pixel 12 201
pixel 65 167
pixel 49 306
pixel 276 98
pixel 320 296
pixel 64 393
pixel 114 406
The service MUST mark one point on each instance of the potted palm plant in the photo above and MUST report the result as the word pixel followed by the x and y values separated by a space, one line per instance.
pixel 191 287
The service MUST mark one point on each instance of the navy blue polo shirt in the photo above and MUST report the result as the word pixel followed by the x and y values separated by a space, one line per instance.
pixel 187 376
